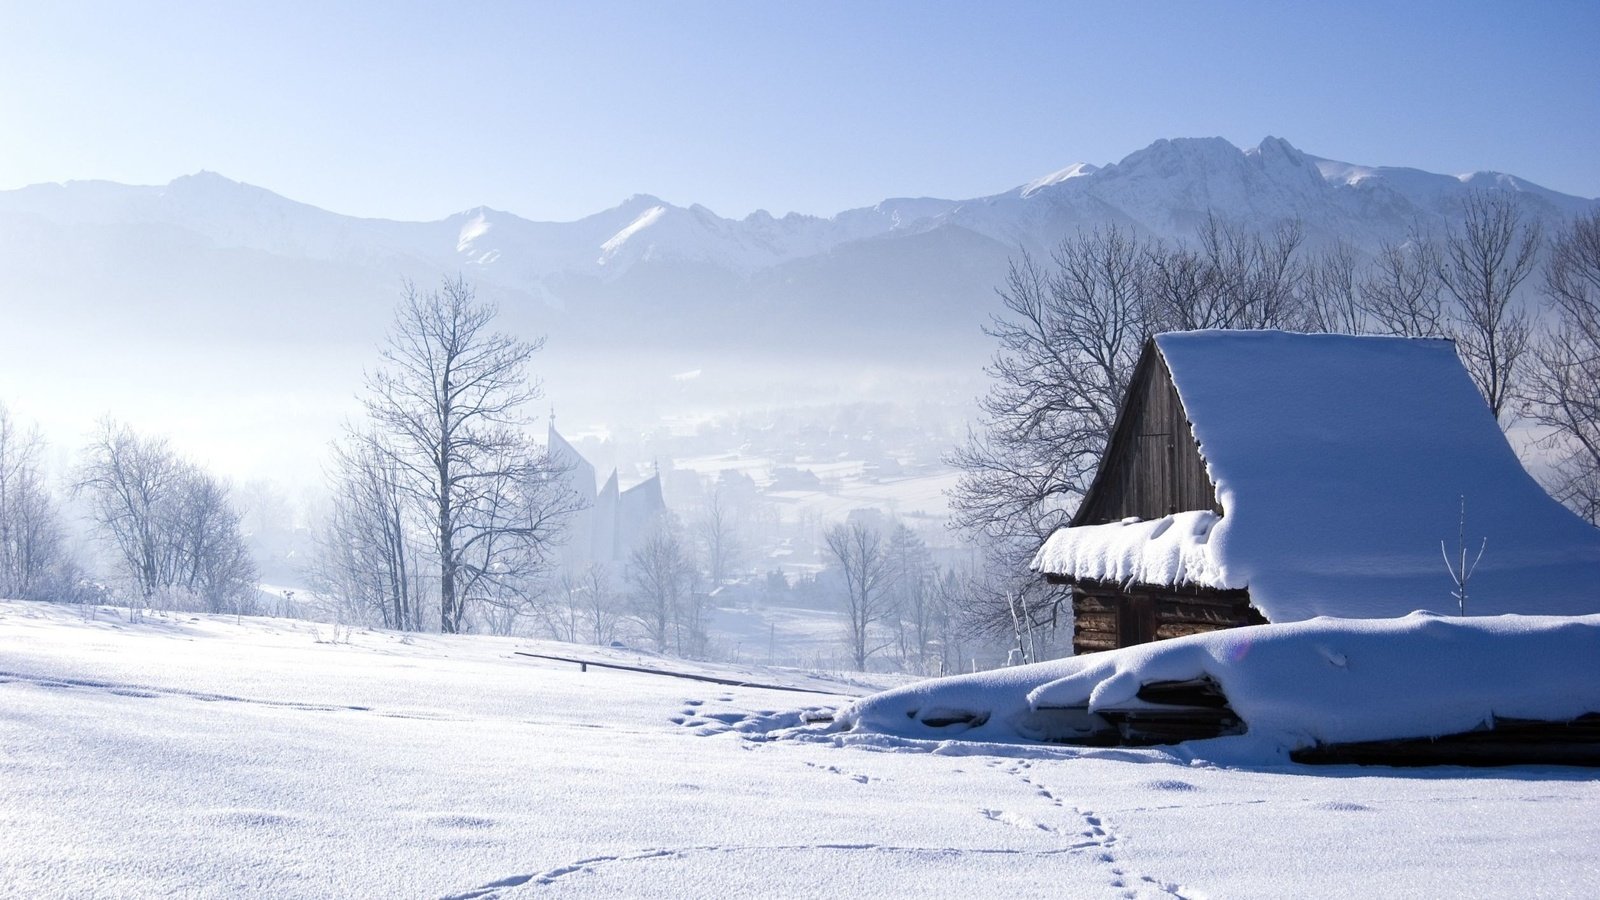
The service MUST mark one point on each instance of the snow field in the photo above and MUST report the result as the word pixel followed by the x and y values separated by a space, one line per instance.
pixel 195 756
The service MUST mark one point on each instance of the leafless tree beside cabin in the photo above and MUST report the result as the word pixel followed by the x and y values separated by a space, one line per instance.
pixel 1563 386
pixel 1069 337
pixel 1400 293
pixel 1330 293
pixel 1483 263
pixel 858 550
pixel 1229 276
pixel 450 401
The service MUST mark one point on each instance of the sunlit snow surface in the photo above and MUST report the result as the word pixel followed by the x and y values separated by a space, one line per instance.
pixel 192 756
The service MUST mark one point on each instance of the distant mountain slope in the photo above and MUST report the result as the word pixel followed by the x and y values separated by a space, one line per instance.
pixel 906 276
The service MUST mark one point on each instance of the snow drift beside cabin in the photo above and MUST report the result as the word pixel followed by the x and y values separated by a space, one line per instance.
pixel 1340 463
pixel 1322 681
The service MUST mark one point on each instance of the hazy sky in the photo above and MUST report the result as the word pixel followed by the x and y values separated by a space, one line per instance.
pixel 553 111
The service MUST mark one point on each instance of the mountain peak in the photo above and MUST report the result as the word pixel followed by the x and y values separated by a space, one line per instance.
pixel 1073 171
pixel 1275 146
pixel 1172 155
pixel 205 178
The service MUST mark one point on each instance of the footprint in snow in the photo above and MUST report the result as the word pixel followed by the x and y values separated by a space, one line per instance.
pixel 1168 784
pixel 1341 806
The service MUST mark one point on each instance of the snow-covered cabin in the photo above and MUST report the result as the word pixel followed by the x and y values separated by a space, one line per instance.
pixel 1258 476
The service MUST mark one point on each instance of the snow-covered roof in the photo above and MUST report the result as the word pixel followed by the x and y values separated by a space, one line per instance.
pixel 1340 463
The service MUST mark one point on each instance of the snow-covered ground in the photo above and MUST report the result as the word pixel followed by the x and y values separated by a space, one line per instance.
pixel 197 756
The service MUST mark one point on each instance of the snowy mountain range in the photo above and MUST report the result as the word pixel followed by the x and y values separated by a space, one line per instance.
pixel 896 275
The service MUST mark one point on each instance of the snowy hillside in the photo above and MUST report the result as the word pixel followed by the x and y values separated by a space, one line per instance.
pixel 196 756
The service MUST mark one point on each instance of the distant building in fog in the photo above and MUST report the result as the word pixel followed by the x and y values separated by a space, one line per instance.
pixel 613 522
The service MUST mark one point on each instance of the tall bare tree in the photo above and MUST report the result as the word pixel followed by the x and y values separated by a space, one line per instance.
pixel 1484 261
pixel 450 401
pixel 1070 335
pixel 1563 389
pixel 858 550
pixel 1069 338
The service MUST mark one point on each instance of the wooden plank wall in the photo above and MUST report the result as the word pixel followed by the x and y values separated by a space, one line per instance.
pixel 1153 465
pixel 1099 610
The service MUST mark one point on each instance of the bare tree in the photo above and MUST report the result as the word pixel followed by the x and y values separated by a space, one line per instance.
pixel 1563 387
pixel 174 529
pixel 31 551
pixel 449 401
pixel 1070 336
pixel 661 577
pixel 1330 295
pixel 600 607
pixel 912 580
pixel 1483 264
pixel 716 531
pixel 1231 277
pixel 858 550
pixel 562 606
pixel 131 482
pixel 1069 339
pixel 215 567
pixel 1400 295
pixel 366 551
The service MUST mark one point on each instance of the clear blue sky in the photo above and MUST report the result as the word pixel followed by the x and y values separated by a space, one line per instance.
pixel 553 111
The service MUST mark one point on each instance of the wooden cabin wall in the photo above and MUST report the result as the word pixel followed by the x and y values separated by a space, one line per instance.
pixel 1152 466
pixel 1106 617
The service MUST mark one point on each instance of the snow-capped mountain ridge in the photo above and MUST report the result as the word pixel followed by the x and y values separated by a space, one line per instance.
pixel 911 276
pixel 1162 189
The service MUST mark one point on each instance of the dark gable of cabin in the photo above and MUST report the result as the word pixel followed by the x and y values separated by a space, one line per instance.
pixel 1152 468
pixel 1152 465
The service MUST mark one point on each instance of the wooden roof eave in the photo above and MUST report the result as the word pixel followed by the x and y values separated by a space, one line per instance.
pixel 1182 589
